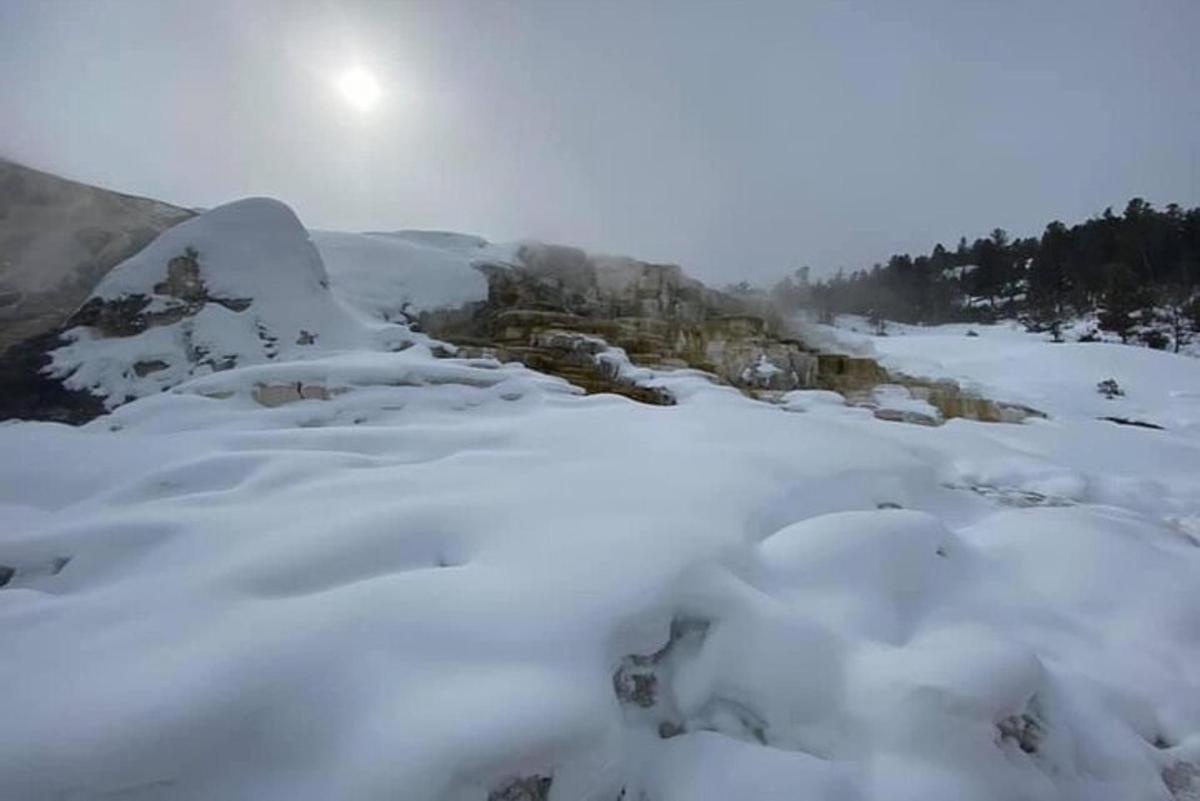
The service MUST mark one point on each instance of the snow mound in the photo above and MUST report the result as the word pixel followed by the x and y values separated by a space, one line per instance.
pixel 391 275
pixel 253 248
pixel 237 285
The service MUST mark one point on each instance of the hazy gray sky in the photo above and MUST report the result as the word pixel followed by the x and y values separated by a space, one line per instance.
pixel 740 139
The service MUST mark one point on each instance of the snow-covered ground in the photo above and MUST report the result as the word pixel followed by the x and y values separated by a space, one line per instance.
pixel 1004 362
pixel 453 578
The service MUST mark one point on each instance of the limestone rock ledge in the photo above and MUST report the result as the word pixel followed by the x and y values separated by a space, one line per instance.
pixel 657 315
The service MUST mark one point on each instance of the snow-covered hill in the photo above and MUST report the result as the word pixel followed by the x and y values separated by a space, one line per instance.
pixel 349 568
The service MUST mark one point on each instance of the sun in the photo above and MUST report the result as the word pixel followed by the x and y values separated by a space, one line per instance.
pixel 359 88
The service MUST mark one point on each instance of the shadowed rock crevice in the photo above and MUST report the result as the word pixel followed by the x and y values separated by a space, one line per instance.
pixel 29 393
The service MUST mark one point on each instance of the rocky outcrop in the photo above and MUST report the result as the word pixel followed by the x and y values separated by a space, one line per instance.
pixel 655 313
pixel 580 358
pixel 860 378
pixel 58 239
pixel 241 284
pixel 181 294
pixel 556 308
pixel 31 393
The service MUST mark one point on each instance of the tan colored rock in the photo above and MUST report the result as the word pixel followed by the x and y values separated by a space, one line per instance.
pixel 907 416
pixel 273 395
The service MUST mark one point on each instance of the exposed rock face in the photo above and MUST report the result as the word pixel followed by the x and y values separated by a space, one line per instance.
pixel 182 294
pixel 58 239
pixel 859 378
pixel 844 374
pixel 659 316
pixel 30 393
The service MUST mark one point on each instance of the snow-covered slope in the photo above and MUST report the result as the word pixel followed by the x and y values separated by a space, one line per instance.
pixel 389 275
pixel 1007 363
pixel 440 578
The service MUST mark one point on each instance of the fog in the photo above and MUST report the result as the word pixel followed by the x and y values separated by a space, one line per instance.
pixel 738 139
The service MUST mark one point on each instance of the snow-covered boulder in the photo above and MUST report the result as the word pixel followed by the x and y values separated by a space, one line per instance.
pixel 241 284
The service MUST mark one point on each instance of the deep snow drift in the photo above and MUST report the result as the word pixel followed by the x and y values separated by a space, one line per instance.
pixel 454 579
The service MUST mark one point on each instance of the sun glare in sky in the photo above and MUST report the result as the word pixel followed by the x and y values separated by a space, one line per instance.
pixel 359 88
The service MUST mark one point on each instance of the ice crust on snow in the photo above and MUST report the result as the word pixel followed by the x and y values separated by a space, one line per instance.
pixel 425 585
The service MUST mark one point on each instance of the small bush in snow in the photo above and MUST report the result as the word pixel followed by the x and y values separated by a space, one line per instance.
pixel 878 323
pixel 1109 388
pixel 971 332
pixel 1155 339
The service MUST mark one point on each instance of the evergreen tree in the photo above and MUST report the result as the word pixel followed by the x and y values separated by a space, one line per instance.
pixel 1122 302
pixel 1048 282
pixel 1114 265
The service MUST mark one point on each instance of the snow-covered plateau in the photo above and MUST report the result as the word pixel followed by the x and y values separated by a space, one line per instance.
pixel 348 566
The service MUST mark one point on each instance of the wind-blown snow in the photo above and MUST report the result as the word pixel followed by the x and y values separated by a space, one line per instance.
pixel 423 587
